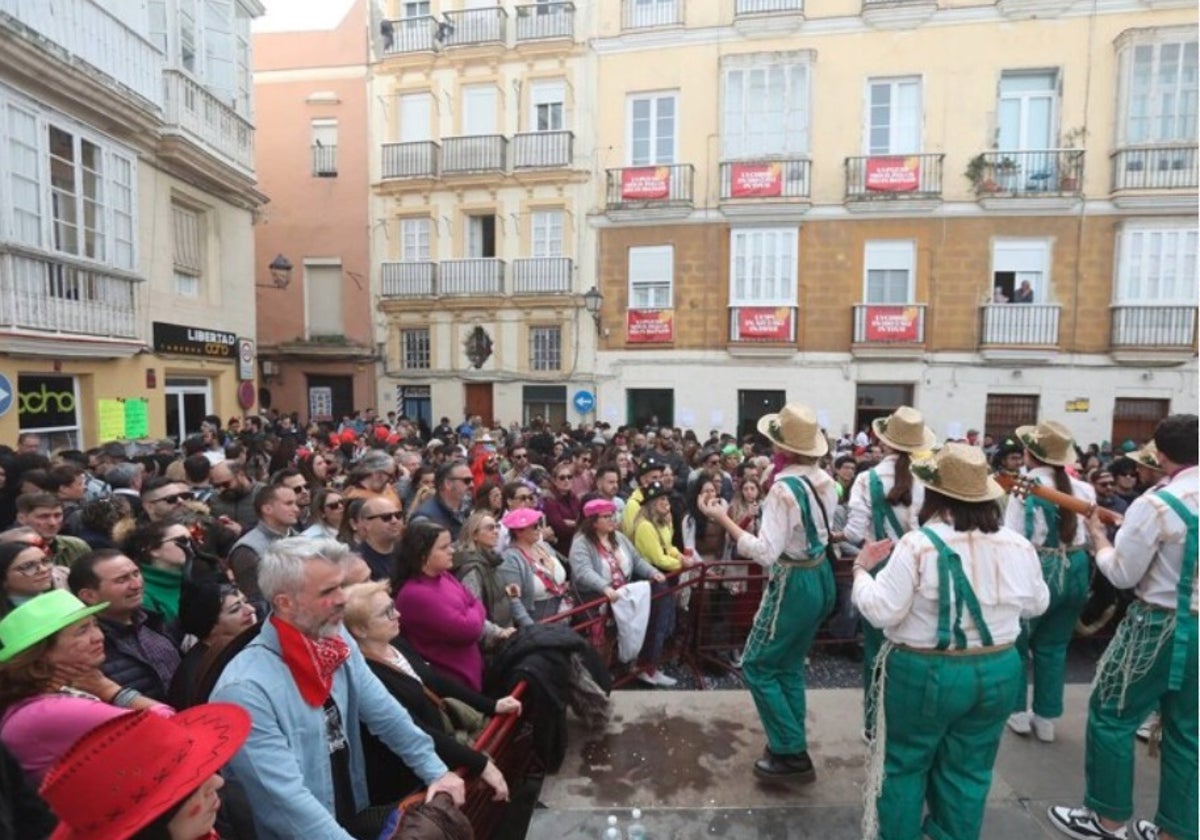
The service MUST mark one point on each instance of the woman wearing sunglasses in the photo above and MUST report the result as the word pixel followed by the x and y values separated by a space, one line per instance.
pixel 25 572
pixel 328 508
pixel 163 550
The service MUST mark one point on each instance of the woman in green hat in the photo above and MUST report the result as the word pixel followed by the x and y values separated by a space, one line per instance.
pixel 51 687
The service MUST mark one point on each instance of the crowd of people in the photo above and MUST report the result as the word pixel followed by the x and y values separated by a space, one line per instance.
pixel 327 615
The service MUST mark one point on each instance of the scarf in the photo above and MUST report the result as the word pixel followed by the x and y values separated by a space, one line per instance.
pixel 311 661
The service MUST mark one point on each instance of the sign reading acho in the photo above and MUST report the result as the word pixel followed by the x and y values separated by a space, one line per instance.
pixel 893 323
pixel 755 180
pixel 645 182
pixel 650 326
pixel 194 341
pixel 765 323
pixel 893 174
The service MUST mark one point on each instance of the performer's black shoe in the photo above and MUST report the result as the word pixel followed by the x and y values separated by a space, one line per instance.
pixel 785 768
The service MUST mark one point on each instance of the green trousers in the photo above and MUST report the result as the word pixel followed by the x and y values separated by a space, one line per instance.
pixel 945 716
pixel 794 604
pixel 1113 720
pixel 1047 636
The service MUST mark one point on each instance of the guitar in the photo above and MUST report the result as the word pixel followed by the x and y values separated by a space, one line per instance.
pixel 1022 486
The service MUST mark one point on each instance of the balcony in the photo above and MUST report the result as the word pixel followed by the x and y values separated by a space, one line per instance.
pixel 1045 177
pixel 545 21
pixel 1139 331
pixel 203 118
pixel 477 276
pixel 84 31
pixel 542 276
pixel 50 295
pixel 766 7
pixel 475 26
pixel 476 153
pixel 1019 327
pixel 665 188
pixel 408 279
pixel 410 160
pixel 647 14
pixel 410 35
pixel 757 325
pixel 755 186
pixel 873 183
pixel 1167 173
pixel 324 161
pixel 897 14
pixel 542 149
pixel 888 329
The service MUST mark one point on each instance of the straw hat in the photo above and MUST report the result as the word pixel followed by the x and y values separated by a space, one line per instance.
pixel 960 471
pixel 904 430
pixel 40 618
pixel 131 769
pixel 794 429
pixel 1147 457
pixel 1049 441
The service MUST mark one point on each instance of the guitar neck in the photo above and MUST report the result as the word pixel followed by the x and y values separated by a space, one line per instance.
pixel 1059 499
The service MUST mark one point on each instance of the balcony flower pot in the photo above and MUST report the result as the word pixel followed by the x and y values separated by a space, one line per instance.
pixel 1068 183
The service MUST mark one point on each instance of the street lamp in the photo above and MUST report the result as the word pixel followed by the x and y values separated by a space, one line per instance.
pixel 281 273
pixel 592 301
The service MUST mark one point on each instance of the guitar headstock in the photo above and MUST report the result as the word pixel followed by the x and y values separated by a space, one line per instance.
pixel 1016 485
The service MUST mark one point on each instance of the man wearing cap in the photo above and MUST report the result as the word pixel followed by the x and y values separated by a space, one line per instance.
pixel 1151 660
pixel 309 691
pixel 791 544
pixel 650 471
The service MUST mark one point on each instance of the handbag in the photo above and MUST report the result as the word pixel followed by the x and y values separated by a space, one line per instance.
pixel 831 552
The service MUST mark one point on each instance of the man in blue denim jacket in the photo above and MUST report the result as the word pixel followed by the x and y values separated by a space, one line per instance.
pixel 307 688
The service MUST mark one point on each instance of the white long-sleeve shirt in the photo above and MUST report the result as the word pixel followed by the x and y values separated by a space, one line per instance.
pixel 1014 514
pixel 1002 568
pixel 1148 554
pixel 859 524
pixel 781 530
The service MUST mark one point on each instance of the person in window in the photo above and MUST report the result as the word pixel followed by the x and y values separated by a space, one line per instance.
pixel 1024 294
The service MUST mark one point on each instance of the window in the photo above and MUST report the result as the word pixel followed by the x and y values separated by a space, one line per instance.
pixel 1025 115
pixel 481 236
pixel 1158 87
pixel 323 297
pixel 324 140
pixel 419 8
pixel 1005 412
pixel 545 348
pixel 25 187
pixel 414 349
pixel 187 35
pixel 48 406
pixel 652 128
pixel 762 267
pixel 1157 264
pixel 888 268
pixel 187 228
pixel 546 401
pixel 188 402
pixel 76 194
pixel 414 115
pixel 244 71
pixel 651 276
pixel 479 110
pixel 1019 261
pixel 893 116
pixel 546 108
pixel 765 108
pixel 546 234
pixel 414 240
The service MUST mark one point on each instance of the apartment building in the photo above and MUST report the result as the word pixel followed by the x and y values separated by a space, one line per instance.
pixel 127 176
pixel 986 210
pixel 316 321
pixel 482 159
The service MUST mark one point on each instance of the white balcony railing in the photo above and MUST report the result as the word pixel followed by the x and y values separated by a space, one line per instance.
pixel 643 14
pixel 58 296
pixel 197 113
pixel 541 21
pixel 475 26
pixel 1155 168
pixel 410 160
pixel 479 276
pixel 408 279
pixel 474 153
pixel 1153 327
pixel 542 276
pixel 541 149
pixel 1020 324
pixel 84 30
pixel 767 7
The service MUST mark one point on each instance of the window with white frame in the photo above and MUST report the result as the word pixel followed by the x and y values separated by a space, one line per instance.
pixel 546 233
pixel 1158 87
pixel 888 271
pixel 547 105
pixel 414 8
pixel 766 106
pixel 545 348
pixel 414 349
pixel 652 128
pixel 1156 264
pixel 210 39
pixel 762 266
pixel 893 116
pixel 1016 262
pixel 651 276
pixel 187 229
pixel 414 240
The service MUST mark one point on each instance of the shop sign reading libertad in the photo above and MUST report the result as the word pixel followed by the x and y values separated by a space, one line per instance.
pixel 194 341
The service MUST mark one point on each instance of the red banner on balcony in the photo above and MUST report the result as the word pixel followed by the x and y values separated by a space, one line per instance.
pixel 893 174
pixel 765 323
pixel 650 326
pixel 645 182
pixel 755 180
pixel 893 323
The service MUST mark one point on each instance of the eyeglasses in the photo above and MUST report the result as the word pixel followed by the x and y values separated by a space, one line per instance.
pixel 389 613
pixel 32 567
pixel 523 497
pixel 183 541
pixel 385 517
pixel 299 488
pixel 335 505
pixel 175 498
pixel 520 456
pixel 563 477
pixel 465 479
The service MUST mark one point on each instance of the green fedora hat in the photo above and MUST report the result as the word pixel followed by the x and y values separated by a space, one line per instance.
pixel 39 619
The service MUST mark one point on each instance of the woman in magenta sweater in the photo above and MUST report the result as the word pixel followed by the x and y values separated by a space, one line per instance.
pixel 440 617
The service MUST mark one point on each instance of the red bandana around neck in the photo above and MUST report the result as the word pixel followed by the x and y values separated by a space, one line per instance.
pixel 311 661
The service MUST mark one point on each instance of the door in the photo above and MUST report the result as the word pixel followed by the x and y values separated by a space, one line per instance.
pixel 414 117
pixel 479 110
pixel 1025 120
pixel 894 116
pixel 753 405
pixel 652 129
pixel 644 404
pixel 416 405
pixel 1136 420
pixel 481 237
pixel 1005 412
pixel 874 401
pixel 477 397
pixel 188 402
pixel 336 395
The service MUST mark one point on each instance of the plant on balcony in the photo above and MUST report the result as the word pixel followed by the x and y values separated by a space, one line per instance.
pixel 1068 180
pixel 979 174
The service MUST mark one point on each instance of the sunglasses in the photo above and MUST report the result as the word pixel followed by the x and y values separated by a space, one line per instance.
pixel 338 505
pixel 174 499
pixel 563 477
pixel 300 488
pixel 182 541
pixel 465 479
pixel 523 497
pixel 222 485
pixel 386 517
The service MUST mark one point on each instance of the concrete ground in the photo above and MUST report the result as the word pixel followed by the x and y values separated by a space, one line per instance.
pixel 684 758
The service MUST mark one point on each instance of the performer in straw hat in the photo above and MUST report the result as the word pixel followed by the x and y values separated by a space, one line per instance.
pixel 1061 540
pixel 791 544
pixel 949 603
pixel 883 505
pixel 1151 660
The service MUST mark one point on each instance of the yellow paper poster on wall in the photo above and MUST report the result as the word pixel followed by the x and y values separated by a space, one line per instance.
pixel 137 419
pixel 112 419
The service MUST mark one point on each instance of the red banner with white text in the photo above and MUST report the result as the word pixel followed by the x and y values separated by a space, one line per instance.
pixel 893 174
pixel 893 323
pixel 755 180
pixel 650 326
pixel 645 182
pixel 765 323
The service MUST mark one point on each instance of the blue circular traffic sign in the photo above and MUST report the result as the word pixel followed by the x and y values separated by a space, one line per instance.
pixel 6 395
pixel 584 401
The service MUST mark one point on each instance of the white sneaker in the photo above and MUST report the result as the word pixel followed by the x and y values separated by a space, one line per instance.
pixel 1082 824
pixel 735 658
pixel 1147 728
pixel 1043 728
pixel 648 678
pixel 1144 830
pixel 1019 723
pixel 661 679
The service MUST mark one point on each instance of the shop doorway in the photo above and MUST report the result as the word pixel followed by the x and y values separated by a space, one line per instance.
pixel 188 402
pixel 650 407
pixel 878 400
pixel 753 405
